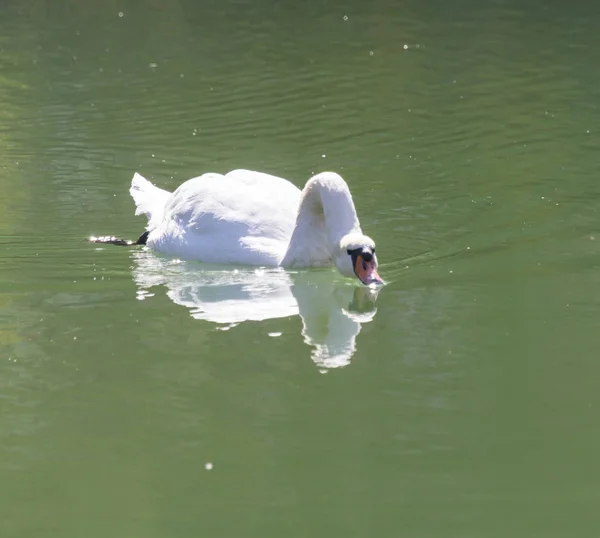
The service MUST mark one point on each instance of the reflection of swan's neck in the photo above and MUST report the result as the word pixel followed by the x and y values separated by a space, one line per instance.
pixel 325 215
pixel 330 323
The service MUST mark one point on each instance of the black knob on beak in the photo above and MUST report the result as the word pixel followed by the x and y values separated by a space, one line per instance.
pixel 367 255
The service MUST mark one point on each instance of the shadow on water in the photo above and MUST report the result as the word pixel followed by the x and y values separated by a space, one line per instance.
pixel 332 311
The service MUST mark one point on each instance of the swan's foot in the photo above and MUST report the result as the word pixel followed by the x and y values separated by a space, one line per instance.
pixel 112 240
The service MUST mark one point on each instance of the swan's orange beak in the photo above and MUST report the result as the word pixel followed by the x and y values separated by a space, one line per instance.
pixel 366 271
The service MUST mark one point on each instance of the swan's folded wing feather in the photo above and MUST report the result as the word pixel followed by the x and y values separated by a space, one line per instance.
pixel 237 218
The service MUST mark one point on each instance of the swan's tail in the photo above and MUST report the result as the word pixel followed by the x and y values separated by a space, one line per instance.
pixel 149 200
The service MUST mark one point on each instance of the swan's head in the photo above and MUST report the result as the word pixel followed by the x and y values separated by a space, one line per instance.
pixel 356 257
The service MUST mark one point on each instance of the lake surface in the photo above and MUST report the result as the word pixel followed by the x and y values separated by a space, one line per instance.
pixel 146 397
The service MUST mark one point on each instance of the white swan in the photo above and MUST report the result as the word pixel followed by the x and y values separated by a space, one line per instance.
pixel 253 218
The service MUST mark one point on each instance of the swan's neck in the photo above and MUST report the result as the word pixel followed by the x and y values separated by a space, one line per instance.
pixel 325 215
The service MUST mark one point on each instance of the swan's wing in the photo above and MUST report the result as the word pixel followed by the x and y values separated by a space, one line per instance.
pixel 241 217
pixel 265 204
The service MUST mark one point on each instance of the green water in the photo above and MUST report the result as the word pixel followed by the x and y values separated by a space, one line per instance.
pixel 462 401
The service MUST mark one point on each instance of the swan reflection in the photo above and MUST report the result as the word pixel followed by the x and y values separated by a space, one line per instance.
pixel 332 312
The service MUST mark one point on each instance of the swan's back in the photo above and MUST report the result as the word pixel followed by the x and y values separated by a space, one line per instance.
pixel 242 217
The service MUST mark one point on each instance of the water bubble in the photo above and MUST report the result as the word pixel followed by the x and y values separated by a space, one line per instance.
pixel 208 466
pixel 324 155
pixel 153 65
pixel 405 46
pixel 275 334
pixel 345 17
pixel 120 14
pixel 371 53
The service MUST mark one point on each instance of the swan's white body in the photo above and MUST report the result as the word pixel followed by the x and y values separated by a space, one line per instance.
pixel 253 218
